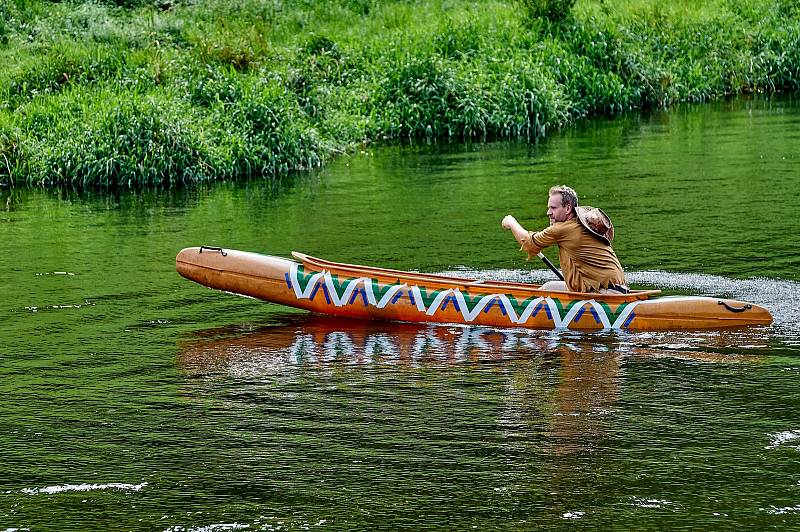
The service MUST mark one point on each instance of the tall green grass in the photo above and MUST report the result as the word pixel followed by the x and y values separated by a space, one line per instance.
pixel 164 92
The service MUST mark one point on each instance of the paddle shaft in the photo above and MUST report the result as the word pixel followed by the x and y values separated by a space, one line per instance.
pixel 551 266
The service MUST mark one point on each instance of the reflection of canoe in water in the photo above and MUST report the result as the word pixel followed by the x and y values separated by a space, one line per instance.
pixel 318 340
pixel 375 293
pixel 321 341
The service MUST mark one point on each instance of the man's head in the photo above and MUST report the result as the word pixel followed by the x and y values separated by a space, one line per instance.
pixel 562 204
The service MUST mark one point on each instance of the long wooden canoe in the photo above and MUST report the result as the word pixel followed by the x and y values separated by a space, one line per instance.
pixel 377 293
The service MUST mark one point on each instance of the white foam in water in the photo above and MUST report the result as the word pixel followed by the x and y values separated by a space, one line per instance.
pixel 781 438
pixel 650 503
pixel 49 490
pixel 209 528
pixel 785 510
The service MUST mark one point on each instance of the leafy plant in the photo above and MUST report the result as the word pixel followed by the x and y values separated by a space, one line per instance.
pixel 555 11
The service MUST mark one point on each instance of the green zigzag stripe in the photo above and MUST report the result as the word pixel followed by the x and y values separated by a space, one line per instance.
pixel 303 278
pixel 340 286
pixel 378 291
pixel 562 310
pixel 519 308
pixel 426 298
pixel 612 316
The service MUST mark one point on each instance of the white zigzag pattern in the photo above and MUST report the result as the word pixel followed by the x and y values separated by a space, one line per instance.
pixel 469 315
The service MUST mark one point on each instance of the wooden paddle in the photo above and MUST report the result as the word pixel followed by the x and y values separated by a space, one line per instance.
pixel 551 266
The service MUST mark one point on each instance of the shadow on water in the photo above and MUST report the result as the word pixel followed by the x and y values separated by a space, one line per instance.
pixel 263 189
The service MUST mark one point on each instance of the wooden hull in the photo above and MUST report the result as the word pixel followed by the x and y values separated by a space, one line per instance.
pixel 374 293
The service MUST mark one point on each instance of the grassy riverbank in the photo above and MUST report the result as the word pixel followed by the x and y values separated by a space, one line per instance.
pixel 170 91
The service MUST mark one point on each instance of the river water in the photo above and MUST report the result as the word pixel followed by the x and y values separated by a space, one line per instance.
pixel 134 399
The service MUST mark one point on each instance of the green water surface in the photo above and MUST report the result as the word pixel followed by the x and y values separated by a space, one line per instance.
pixel 132 399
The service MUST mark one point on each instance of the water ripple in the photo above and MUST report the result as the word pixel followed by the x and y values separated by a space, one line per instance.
pixel 50 490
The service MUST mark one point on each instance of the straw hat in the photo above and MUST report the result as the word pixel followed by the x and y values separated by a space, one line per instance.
pixel 597 222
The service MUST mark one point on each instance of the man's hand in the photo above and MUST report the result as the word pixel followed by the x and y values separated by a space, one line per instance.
pixel 509 222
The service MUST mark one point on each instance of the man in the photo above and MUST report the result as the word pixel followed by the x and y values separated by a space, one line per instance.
pixel 583 236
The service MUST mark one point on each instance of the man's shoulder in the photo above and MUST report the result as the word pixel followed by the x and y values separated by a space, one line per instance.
pixel 570 222
pixel 556 233
pixel 567 226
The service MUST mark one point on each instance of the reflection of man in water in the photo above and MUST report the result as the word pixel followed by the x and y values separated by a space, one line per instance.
pixel 583 236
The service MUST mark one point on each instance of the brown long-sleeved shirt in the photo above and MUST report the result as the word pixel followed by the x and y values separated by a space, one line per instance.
pixel 587 263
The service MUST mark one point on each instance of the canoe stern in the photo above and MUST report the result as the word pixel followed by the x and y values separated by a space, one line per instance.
pixel 696 312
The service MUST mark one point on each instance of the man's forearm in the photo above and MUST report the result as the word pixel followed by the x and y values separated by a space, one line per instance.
pixel 520 233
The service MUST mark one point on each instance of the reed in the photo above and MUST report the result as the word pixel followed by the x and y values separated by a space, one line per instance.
pixel 167 92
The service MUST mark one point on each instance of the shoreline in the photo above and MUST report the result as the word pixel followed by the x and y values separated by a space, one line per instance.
pixel 99 97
